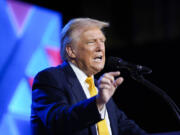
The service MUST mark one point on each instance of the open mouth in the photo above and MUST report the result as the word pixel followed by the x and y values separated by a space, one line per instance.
pixel 98 58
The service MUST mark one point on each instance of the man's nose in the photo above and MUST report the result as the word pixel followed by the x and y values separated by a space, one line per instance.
pixel 100 45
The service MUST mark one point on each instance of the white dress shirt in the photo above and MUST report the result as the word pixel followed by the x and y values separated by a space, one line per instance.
pixel 82 79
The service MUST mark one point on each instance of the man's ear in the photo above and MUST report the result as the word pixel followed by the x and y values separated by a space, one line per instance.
pixel 70 51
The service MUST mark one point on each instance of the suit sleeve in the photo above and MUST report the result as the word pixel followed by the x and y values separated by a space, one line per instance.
pixel 51 104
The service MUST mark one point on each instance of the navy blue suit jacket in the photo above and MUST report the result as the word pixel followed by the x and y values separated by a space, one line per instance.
pixel 60 107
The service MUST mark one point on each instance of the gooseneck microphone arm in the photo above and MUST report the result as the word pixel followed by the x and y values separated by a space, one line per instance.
pixel 162 93
pixel 136 73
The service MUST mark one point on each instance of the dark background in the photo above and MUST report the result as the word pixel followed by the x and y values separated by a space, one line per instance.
pixel 142 32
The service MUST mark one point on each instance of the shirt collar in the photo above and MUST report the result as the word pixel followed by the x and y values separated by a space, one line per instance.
pixel 79 73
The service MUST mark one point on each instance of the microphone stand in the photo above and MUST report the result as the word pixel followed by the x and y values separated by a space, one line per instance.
pixel 138 76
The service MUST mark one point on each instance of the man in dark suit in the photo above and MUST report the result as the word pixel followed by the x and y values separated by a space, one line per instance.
pixel 65 100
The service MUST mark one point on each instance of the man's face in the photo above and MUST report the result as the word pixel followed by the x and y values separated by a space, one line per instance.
pixel 90 51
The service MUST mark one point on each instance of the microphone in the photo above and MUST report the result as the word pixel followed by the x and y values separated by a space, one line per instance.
pixel 119 63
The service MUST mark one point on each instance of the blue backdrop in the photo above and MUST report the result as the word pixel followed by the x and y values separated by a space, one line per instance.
pixel 29 42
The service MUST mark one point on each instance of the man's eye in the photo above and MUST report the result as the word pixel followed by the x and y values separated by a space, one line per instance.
pixel 90 42
pixel 103 41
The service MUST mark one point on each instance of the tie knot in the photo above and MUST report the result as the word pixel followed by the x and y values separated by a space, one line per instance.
pixel 92 88
pixel 89 80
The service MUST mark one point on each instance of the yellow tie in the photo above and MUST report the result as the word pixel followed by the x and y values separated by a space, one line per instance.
pixel 102 125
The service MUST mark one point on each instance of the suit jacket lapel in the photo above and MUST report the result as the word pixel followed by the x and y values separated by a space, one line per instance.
pixel 112 117
pixel 74 84
pixel 75 87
